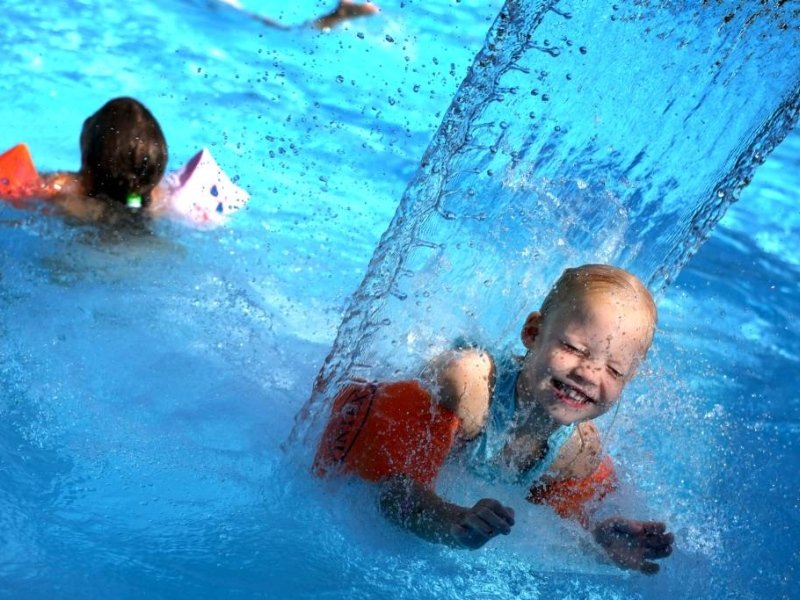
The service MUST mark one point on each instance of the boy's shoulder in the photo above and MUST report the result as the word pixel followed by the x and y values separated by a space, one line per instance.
pixel 580 455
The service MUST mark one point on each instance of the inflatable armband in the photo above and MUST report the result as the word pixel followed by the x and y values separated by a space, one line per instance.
pixel 571 497
pixel 379 430
pixel 18 175
pixel 201 193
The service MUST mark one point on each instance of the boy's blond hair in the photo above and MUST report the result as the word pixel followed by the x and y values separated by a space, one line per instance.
pixel 583 281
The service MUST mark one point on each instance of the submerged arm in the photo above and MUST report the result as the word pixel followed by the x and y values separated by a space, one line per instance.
pixel 419 510
pixel 585 478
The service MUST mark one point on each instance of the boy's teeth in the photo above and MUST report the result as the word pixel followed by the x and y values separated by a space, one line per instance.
pixel 572 393
pixel 575 395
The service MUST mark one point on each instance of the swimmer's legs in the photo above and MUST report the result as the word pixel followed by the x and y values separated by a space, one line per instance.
pixel 345 10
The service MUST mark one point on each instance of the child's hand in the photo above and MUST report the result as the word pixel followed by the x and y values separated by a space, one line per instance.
pixel 634 544
pixel 482 522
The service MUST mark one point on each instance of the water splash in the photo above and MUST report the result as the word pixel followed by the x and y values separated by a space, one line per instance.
pixel 583 132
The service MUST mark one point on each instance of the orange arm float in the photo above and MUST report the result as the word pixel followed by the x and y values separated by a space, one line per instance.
pixel 570 497
pixel 379 430
pixel 18 176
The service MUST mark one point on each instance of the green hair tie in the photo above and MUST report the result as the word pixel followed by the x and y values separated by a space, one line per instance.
pixel 134 201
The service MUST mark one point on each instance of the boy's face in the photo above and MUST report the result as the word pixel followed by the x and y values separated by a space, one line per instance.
pixel 582 355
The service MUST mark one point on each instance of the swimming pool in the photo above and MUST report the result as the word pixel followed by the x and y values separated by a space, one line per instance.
pixel 149 382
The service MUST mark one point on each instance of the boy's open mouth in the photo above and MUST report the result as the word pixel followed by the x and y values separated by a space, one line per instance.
pixel 571 396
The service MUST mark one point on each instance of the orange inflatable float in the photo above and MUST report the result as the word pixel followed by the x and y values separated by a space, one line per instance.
pixel 18 176
pixel 379 430
pixel 570 497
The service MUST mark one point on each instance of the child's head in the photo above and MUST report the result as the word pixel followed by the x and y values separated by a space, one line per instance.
pixel 591 281
pixel 586 342
pixel 123 152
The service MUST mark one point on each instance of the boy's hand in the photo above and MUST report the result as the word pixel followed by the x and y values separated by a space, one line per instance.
pixel 482 522
pixel 634 544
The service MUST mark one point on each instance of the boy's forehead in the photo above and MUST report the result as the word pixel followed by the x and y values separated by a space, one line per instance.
pixel 620 308
pixel 626 299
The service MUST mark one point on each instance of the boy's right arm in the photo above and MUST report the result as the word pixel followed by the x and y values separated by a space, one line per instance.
pixel 419 510
pixel 462 381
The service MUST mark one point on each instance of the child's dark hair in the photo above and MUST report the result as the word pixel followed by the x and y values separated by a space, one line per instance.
pixel 123 152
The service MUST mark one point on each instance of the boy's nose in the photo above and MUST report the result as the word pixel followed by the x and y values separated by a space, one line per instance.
pixel 587 371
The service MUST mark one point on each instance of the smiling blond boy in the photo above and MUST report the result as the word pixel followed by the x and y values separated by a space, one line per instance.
pixel 526 419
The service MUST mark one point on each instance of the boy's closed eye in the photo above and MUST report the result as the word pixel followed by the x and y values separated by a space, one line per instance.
pixel 616 373
pixel 570 347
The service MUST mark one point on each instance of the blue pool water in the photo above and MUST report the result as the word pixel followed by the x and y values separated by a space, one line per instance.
pixel 148 383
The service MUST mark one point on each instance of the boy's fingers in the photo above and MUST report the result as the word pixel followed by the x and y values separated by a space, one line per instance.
pixel 508 514
pixel 488 523
pixel 497 522
pixel 653 527
pixel 660 541
pixel 661 552
pixel 478 525
pixel 505 512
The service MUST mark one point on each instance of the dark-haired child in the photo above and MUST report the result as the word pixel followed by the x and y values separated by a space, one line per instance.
pixel 121 180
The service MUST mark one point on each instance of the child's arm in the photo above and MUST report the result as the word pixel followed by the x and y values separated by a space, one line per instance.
pixel 581 477
pixel 66 191
pixel 396 435
pixel 462 381
pixel 419 510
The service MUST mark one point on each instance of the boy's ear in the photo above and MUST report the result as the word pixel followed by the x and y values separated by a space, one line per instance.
pixel 531 329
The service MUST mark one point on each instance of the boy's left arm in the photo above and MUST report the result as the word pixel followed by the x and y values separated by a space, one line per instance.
pixel 579 479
